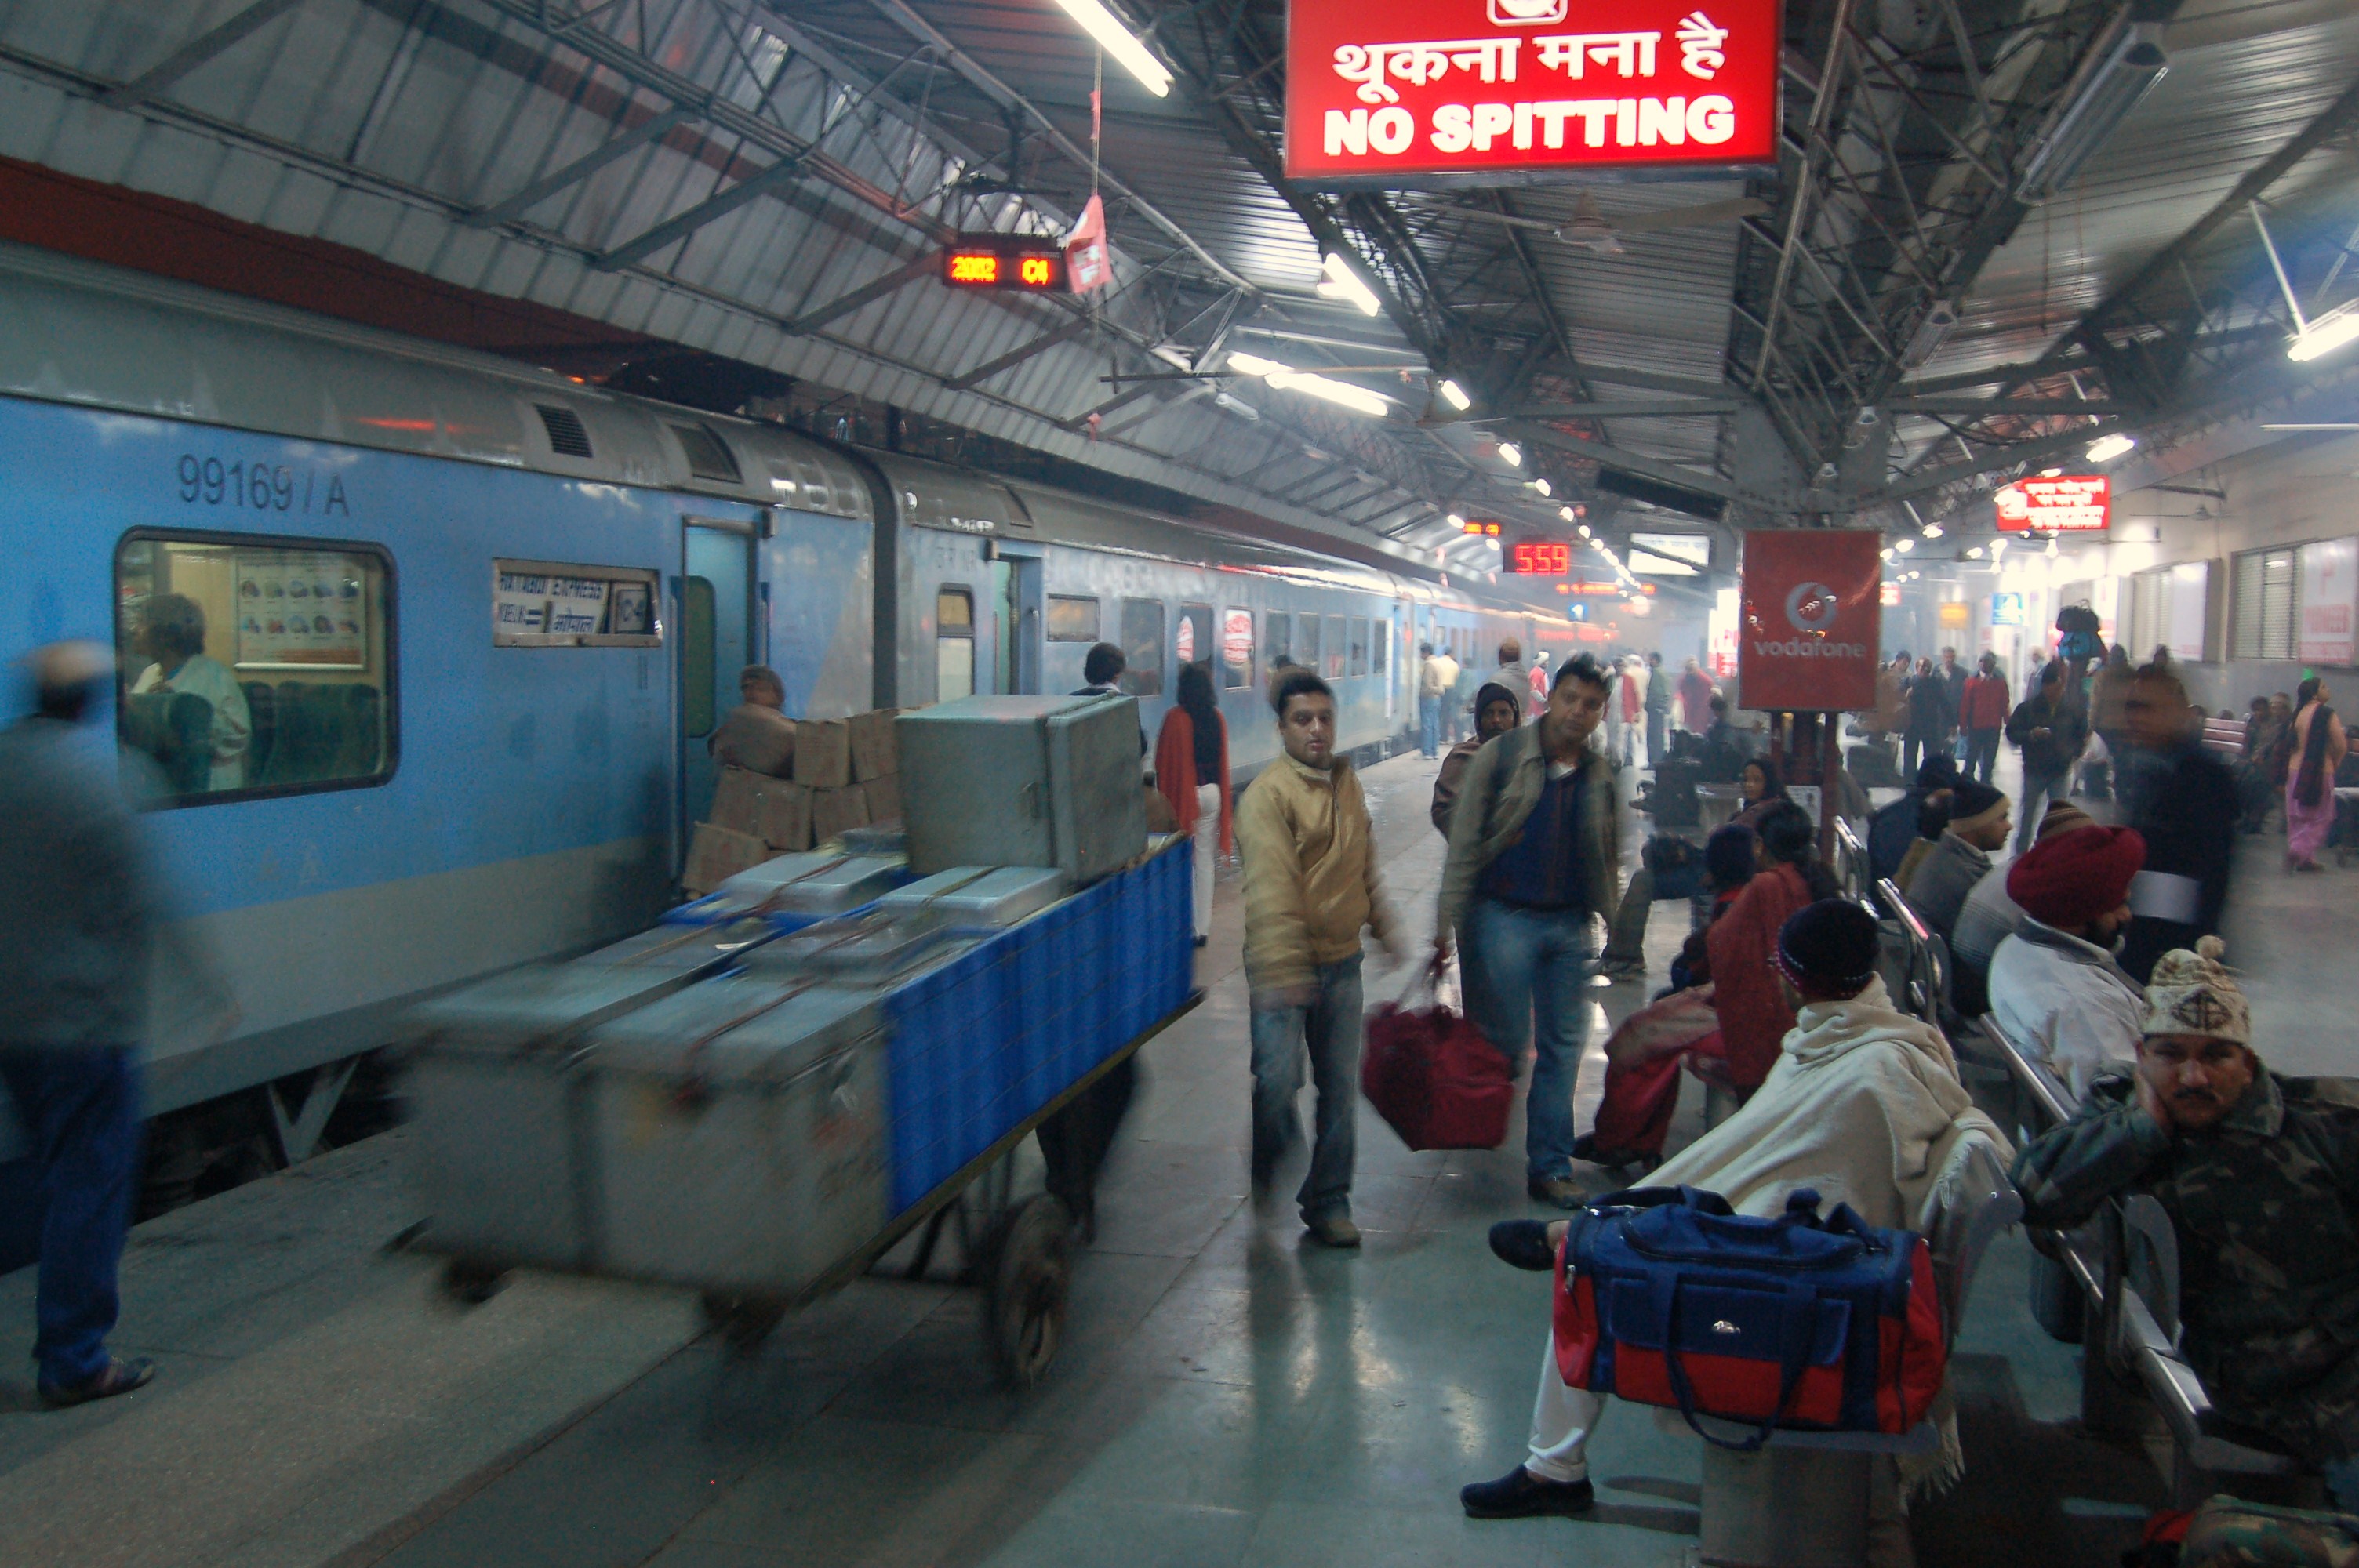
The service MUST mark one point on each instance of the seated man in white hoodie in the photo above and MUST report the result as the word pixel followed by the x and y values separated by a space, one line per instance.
pixel 2054 985
pixel 1864 1105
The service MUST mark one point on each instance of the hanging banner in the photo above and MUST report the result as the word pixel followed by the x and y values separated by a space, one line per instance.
pixel 1812 620
pixel 2064 504
pixel 1379 89
pixel 1086 266
pixel 2330 594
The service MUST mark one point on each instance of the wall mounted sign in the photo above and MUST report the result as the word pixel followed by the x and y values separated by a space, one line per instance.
pixel 2068 503
pixel 1384 90
pixel 2329 591
pixel 1810 621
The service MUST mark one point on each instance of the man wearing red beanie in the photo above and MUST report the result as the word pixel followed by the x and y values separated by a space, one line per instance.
pixel 2055 986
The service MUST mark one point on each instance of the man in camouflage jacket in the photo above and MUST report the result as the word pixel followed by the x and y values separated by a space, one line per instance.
pixel 2260 1176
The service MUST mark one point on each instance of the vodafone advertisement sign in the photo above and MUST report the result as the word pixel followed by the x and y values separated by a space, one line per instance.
pixel 1810 622
pixel 1378 91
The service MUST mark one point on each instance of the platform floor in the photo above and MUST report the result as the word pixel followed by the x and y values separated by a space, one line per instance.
pixel 1230 1395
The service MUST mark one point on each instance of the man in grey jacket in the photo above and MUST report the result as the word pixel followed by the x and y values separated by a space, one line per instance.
pixel 1535 848
pixel 77 922
pixel 1943 878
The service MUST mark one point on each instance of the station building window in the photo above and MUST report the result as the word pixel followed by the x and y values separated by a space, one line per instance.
pixel 2265 584
pixel 1236 648
pixel 1142 647
pixel 953 643
pixel 1334 647
pixel 253 665
pixel 1072 619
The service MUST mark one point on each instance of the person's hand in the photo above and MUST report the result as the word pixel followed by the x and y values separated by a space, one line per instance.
pixel 2042 732
pixel 1396 952
pixel 2150 1101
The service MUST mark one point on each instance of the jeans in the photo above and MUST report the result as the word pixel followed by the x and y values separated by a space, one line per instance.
pixel 2034 785
pixel 1527 979
pixel 1982 755
pixel 1656 719
pixel 1428 726
pixel 81 1106
pixel 1330 1027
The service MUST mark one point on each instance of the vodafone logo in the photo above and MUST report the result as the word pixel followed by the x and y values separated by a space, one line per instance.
pixel 1812 607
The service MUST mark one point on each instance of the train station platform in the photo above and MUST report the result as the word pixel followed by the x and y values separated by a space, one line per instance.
pixel 1230 1394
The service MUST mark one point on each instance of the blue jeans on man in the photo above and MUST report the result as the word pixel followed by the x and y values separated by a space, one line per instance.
pixel 2034 785
pixel 1527 967
pixel 1428 725
pixel 80 1106
pixel 1329 1025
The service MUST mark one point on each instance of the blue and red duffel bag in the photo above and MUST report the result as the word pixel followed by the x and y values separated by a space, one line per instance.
pixel 1666 1297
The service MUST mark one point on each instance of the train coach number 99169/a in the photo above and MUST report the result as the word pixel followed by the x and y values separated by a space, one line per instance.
pixel 261 487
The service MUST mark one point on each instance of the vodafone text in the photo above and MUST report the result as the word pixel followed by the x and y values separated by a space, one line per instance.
pixel 1794 648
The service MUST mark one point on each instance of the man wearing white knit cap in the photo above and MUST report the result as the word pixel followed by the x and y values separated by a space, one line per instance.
pixel 2260 1176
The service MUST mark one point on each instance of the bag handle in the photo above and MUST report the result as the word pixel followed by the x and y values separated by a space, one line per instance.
pixel 1794 1334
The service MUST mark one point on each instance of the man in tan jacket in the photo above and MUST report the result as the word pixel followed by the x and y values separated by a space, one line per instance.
pixel 1310 887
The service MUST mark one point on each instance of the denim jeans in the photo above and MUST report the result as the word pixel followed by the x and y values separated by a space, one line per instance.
pixel 1527 979
pixel 1982 755
pixel 1330 1027
pixel 81 1106
pixel 1428 725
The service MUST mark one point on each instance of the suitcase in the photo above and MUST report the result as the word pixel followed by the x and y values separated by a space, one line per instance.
pixel 1434 1078
pixel 1023 781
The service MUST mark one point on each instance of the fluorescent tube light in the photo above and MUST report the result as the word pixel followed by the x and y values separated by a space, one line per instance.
pixel 2119 72
pixel 1454 394
pixel 1511 454
pixel 1932 530
pixel 1568 514
pixel 1904 546
pixel 1117 40
pixel 1342 283
pixel 1541 485
pixel 1285 378
pixel 2325 334
pixel 2106 448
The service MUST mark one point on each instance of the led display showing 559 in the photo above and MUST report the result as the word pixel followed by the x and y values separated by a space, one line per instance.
pixel 1539 557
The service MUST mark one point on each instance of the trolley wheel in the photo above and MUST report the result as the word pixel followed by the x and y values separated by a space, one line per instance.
pixel 743 1322
pixel 471 1283
pixel 1026 1283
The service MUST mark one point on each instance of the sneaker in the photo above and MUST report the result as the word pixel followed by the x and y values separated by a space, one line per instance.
pixel 1520 1494
pixel 1562 1192
pixel 1524 1244
pixel 1333 1230
pixel 117 1377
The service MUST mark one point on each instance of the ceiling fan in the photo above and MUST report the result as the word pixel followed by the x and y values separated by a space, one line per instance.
pixel 1594 231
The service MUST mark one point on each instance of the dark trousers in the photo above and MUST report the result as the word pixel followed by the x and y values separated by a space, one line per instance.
pixel 82 1108
pixel 1982 753
pixel 1657 723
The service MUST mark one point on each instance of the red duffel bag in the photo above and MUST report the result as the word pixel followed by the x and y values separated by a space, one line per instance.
pixel 1433 1077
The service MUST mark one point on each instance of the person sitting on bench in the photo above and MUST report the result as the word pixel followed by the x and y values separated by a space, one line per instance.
pixel 1865 1106
pixel 2260 1176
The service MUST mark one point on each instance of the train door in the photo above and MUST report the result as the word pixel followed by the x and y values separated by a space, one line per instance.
pixel 718 637
pixel 1021 629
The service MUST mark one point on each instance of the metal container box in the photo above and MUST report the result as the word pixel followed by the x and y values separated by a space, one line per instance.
pixel 844 884
pixel 759 887
pixel 737 1133
pixel 973 896
pixel 1023 781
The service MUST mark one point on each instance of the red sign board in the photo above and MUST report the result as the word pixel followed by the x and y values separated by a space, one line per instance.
pixel 1539 557
pixel 1379 89
pixel 2068 503
pixel 1808 632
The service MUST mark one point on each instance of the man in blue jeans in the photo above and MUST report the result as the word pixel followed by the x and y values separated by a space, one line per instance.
pixel 1311 888
pixel 1535 850
pixel 77 921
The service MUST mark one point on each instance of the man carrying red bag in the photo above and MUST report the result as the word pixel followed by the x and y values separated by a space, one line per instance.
pixel 1864 1107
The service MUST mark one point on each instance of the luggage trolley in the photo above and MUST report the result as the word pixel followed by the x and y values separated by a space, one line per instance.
pixel 719 1108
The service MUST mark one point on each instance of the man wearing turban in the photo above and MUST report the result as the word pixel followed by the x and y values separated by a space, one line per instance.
pixel 2055 988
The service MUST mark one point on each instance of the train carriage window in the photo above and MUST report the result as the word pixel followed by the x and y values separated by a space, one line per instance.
pixel 1305 642
pixel 953 643
pixel 254 665
pixel 1072 619
pixel 1278 638
pixel 1334 647
pixel 1359 646
pixel 1192 638
pixel 1236 648
pixel 1380 639
pixel 707 455
pixel 1142 647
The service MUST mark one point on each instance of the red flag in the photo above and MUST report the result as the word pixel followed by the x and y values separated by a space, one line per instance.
pixel 1086 266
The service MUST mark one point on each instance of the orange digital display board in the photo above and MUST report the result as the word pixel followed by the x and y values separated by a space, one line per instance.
pixel 1539 557
pixel 1004 261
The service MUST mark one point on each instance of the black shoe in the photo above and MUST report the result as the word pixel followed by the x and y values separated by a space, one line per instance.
pixel 1202 940
pixel 1585 1149
pixel 1524 1244
pixel 1520 1494
pixel 1563 1192
pixel 115 1378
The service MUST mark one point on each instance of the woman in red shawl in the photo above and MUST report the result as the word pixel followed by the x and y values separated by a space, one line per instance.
pixel 1743 944
pixel 1192 773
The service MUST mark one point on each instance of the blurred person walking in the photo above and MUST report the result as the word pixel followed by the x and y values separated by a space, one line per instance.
pixel 2181 799
pixel 78 925
pixel 1192 773
pixel 1432 681
pixel 2320 745
pixel 2049 729
pixel 1696 692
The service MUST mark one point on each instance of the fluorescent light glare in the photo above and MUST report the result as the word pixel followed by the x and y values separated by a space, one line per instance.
pixel 1584 530
pixel 1541 485
pixel 1342 283
pixel 1454 394
pixel 1932 530
pixel 1285 378
pixel 1116 40
pixel 1904 546
pixel 1457 523
pixel 1975 553
pixel 2106 448
pixel 1511 454
pixel 2326 334
pixel 1568 514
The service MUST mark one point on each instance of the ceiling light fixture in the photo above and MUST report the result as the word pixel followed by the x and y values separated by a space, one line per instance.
pixel 1541 485
pixel 1568 514
pixel 1118 41
pixel 1342 283
pixel 1904 546
pixel 1454 394
pixel 2119 72
pixel 1511 454
pixel 1932 530
pixel 2106 448
pixel 1584 530
pixel 1285 378
pixel 2326 334
pixel 1975 553
pixel 1457 523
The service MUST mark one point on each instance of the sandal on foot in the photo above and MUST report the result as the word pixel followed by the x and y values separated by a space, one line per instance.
pixel 117 1376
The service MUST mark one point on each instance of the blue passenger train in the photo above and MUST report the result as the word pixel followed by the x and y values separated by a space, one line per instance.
pixel 424 643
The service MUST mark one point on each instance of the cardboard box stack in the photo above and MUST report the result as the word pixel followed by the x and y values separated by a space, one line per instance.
pixel 843 777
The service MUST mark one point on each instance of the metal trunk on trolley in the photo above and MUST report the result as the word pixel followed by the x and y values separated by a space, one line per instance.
pixel 1023 781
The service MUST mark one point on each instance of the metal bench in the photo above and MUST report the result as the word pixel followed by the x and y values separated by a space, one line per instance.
pixel 2126 1262
pixel 1850 861
pixel 1802 1501
pixel 1924 989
